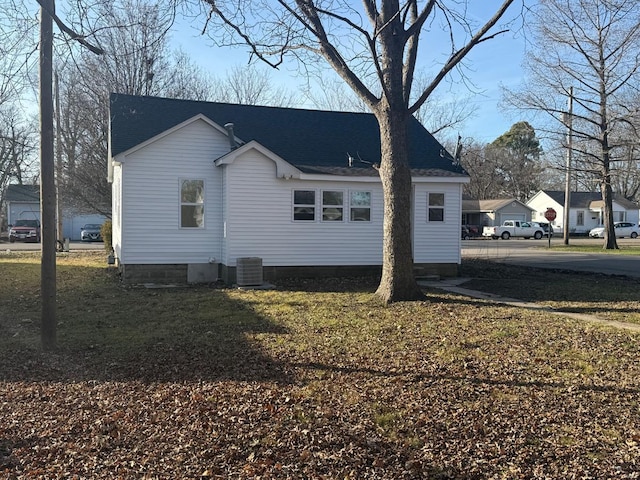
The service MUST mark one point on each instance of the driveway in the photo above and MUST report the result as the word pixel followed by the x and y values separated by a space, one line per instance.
pixel 533 253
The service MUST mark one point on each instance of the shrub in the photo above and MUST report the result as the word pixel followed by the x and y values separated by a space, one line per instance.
pixel 107 235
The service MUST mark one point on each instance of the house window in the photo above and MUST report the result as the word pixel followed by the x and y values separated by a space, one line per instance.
pixel 580 218
pixel 621 216
pixel 332 206
pixel 192 203
pixel 435 207
pixel 304 205
pixel 360 206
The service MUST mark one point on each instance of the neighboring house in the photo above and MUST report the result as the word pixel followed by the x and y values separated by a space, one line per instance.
pixel 23 202
pixel 586 210
pixel 197 186
pixel 493 212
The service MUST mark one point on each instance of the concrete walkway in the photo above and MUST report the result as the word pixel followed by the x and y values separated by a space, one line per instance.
pixel 453 285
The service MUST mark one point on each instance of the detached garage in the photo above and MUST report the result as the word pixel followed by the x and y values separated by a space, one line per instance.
pixel 493 212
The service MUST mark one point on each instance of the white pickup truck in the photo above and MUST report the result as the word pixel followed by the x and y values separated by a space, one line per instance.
pixel 514 228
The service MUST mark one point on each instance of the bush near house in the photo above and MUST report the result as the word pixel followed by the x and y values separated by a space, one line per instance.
pixel 106 231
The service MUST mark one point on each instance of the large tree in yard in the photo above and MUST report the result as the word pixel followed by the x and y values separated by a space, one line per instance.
pixel 374 49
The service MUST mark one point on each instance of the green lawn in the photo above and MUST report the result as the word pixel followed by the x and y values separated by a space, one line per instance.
pixel 316 379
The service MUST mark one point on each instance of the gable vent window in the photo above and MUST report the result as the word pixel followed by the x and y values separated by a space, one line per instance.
pixel 304 205
pixel 192 203
pixel 332 209
pixel 360 206
pixel 435 207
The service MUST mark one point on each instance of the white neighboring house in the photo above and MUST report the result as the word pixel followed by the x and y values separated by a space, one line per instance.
pixel 199 185
pixel 23 203
pixel 586 210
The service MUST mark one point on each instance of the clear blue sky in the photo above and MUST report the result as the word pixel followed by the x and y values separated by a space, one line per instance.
pixel 490 65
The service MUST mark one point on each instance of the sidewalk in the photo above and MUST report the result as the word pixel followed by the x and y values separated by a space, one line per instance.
pixel 453 285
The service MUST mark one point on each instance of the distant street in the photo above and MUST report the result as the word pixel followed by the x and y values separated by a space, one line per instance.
pixel 534 253
pixel 22 247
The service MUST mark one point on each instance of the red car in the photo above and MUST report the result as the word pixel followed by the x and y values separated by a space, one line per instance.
pixel 25 231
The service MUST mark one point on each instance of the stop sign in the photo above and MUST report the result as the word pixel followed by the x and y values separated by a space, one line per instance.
pixel 550 214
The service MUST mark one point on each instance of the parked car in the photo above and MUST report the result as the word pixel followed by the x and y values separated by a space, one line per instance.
pixel 622 229
pixel 545 226
pixel 25 231
pixel 514 228
pixel 91 232
pixel 469 231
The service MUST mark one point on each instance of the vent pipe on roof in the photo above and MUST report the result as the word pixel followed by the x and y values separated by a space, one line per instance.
pixel 230 134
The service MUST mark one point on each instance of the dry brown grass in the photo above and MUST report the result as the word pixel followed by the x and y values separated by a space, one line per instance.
pixel 312 380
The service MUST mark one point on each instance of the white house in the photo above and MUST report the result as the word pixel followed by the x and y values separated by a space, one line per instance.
pixel 585 210
pixel 198 186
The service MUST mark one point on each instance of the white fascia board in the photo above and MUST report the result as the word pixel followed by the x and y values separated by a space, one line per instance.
pixel 460 179
pixel 323 177
pixel 376 179
pixel 283 168
pixel 121 157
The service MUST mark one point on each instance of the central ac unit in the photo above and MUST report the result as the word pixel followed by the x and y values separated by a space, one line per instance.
pixel 249 271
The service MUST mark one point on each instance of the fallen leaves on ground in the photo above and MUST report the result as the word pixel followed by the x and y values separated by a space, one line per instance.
pixel 317 380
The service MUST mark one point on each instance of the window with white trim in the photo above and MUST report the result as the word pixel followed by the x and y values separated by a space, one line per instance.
pixel 304 205
pixel 359 206
pixel 192 203
pixel 435 207
pixel 580 217
pixel 332 206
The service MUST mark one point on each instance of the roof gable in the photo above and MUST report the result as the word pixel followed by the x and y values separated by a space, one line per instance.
pixel 23 193
pixel 313 141
pixel 490 205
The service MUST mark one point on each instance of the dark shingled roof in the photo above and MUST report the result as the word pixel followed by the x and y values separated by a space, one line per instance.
pixel 584 199
pixel 314 141
pixel 23 193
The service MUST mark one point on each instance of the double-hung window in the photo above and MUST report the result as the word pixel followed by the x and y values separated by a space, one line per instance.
pixel 304 205
pixel 435 207
pixel 359 206
pixel 192 203
pixel 332 206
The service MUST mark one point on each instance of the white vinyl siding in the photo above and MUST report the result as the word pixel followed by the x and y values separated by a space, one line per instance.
pixel 151 202
pixel 437 241
pixel 259 221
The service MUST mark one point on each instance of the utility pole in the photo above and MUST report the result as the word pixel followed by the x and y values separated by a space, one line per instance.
pixel 568 121
pixel 47 181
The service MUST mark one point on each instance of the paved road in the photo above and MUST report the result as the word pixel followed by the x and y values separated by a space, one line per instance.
pixel 20 246
pixel 531 253
pixel 534 254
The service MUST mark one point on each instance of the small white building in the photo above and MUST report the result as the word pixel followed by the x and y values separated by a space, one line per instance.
pixel 586 210
pixel 199 188
pixel 23 203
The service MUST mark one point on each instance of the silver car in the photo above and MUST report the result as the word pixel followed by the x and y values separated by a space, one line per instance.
pixel 622 229
pixel 91 232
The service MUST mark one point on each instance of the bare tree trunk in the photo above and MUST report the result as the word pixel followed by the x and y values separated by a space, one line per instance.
pixel 398 282
pixel 610 242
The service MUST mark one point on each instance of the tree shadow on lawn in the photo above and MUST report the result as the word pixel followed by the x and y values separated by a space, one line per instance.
pixel 110 333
